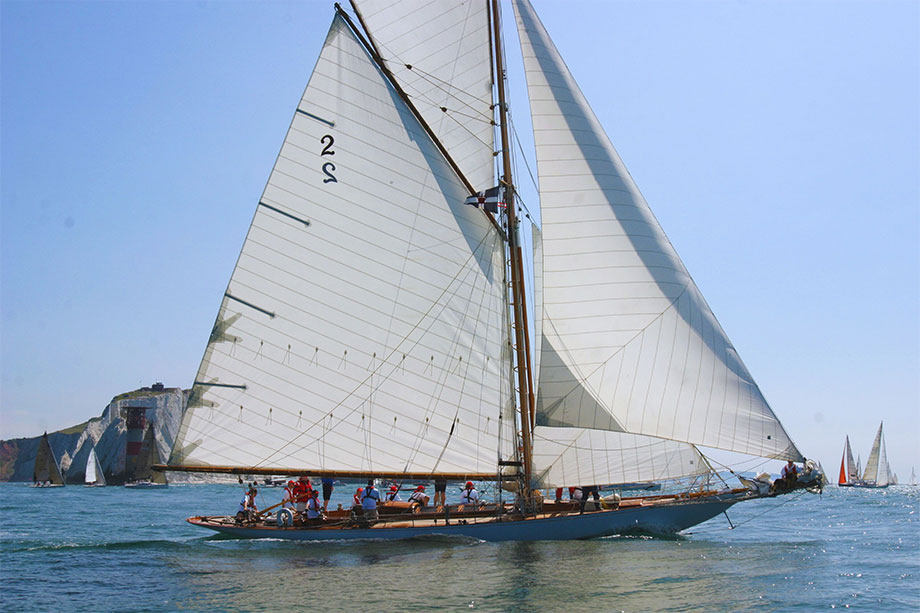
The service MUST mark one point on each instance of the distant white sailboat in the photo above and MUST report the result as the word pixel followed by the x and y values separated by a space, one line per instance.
pixel 47 471
pixel 876 474
pixel 94 476
pixel 913 477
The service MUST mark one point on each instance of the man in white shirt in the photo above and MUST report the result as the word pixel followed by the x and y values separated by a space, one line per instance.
pixel 469 495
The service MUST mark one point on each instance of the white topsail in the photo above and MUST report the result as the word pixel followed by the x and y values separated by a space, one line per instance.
pixel 439 54
pixel 629 344
pixel 365 324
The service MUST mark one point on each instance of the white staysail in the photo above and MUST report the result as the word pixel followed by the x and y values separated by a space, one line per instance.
pixel 579 456
pixel 629 344
pixel 94 474
pixel 877 464
pixel 439 54
pixel 364 327
pixel 582 456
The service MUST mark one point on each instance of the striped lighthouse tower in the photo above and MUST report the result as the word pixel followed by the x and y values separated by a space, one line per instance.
pixel 136 422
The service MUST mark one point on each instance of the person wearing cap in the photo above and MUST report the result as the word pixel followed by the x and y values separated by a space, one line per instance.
pixel 369 501
pixel 393 494
pixel 469 494
pixel 359 494
pixel 418 496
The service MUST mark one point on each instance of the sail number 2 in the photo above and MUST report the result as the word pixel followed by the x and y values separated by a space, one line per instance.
pixel 328 167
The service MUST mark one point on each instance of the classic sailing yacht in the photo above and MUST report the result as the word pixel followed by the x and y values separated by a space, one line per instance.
pixel 877 471
pixel 47 471
pixel 849 474
pixel 376 324
pixel 94 477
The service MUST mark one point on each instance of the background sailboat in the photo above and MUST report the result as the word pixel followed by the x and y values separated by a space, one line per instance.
pixel 94 476
pixel 849 473
pixel 144 476
pixel 47 472
pixel 366 330
pixel 877 471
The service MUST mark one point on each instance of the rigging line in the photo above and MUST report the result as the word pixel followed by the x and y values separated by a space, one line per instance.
pixel 395 350
pixel 450 90
pixel 582 377
pixel 445 373
pixel 771 509
pixel 520 145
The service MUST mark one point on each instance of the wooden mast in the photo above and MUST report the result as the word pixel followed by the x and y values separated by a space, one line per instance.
pixel 514 252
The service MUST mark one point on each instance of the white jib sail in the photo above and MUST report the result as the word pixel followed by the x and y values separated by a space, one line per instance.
pixel 365 325
pixel 629 344
pixel 439 54
pixel 582 456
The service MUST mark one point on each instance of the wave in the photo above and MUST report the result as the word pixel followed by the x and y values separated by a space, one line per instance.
pixel 158 545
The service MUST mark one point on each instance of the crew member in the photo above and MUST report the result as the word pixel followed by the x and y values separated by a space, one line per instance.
pixel 314 509
pixel 418 496
pixel 327 491
pixel 288 501
pixel 369 501
pixel 440 491
pixel 359 494
pixel 393 494
pixel 469 494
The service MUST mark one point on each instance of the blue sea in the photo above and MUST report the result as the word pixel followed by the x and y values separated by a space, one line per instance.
pixel 113 549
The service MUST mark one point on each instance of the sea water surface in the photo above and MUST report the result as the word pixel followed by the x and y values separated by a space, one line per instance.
pixel 111 548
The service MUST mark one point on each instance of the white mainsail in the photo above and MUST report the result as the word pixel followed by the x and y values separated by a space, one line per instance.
pixel 94 474
pixel 629 344
pixel 364 327
pixel 877 464
pixel 439 54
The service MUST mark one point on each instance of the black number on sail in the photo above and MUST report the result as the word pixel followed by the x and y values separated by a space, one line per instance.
pixel 327 150
pixel 328 167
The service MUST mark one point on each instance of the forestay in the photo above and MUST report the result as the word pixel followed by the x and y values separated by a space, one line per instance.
pixel 365 324
pixel 628 344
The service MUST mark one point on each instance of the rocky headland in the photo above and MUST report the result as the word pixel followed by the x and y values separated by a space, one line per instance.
pixel 164 407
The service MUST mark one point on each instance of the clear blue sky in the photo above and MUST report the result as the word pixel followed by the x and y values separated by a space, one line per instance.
pixel 777 142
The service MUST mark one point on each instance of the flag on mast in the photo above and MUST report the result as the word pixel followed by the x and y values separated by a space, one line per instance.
pixel 489 199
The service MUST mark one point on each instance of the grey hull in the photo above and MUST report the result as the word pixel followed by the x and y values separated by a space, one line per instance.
pixel 663 519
